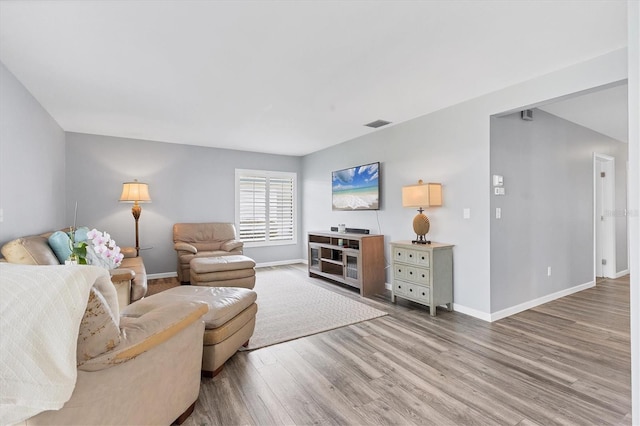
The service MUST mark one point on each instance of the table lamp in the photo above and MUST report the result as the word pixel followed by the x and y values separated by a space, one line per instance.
pixel 421 196
pixel 135 192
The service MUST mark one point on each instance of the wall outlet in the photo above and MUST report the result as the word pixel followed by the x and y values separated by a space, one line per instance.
pixel 548 271
pixel 498 213
pixel 466 213
pixel 498 190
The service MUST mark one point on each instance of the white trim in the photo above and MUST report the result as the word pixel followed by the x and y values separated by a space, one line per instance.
pixel 471 312
pixel 608 204
pixel 279 263
pixel 162 275
pixel 621 274
pixel 539 301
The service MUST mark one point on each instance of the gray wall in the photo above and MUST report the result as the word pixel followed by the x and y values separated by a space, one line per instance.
pixel 547 212
pixel 428 148
pixel 451 146
pixel 32 163
pixel 186 183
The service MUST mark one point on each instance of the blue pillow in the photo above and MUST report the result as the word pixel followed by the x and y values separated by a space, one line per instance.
pixel 60 243
pixel 81 234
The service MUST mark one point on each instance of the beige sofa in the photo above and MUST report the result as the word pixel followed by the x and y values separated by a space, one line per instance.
pixel 193 240
pixel 130 278
pixel 139 368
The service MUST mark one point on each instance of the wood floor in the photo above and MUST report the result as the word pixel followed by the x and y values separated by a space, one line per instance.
pixel 566 362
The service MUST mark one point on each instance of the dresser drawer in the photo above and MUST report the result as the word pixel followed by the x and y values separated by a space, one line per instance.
pixel 416 257
pixel 411 291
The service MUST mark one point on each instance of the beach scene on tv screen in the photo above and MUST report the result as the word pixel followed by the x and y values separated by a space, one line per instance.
pixel 356 188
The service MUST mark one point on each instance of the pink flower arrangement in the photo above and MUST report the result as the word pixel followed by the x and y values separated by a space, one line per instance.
pixel 106 250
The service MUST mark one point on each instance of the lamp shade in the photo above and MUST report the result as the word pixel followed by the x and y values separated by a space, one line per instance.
pixel 135 192
pixel 422 195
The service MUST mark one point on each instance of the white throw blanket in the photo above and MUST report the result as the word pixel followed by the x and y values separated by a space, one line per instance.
pixel 40 312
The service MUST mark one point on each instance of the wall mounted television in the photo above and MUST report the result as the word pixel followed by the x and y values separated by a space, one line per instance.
pixel 356 188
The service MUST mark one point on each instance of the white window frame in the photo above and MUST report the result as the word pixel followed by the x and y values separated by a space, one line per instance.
pixel 268 175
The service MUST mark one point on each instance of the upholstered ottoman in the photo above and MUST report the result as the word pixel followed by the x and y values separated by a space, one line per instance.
pixel 223 271
pixel 229 324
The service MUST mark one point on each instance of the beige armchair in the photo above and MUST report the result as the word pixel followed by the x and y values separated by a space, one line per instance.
pixel 138 367
pixel 192 240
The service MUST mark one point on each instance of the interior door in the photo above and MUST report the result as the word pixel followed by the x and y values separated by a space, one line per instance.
pixel 604 217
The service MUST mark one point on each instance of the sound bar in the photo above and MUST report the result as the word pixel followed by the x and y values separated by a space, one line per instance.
pixel 351 230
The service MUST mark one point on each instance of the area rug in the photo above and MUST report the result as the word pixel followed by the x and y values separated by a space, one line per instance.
pixel 290 307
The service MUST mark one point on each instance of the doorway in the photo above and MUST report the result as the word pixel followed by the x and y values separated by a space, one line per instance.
pixel 603 216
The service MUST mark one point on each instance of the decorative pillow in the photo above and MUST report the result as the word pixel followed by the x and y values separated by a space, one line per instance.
pixel 81 234
pixel 60 243
pixel 99 331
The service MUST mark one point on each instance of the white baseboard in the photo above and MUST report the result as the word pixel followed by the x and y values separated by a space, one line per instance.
pixel 280 263
pixel 472 312
pixel 622 273
pixel 539 301
pixel 162 275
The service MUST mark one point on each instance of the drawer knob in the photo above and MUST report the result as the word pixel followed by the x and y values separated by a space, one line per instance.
pixel 410 255
pixel 422 275
pixel 410 289
pixel 423 293
pixel 410 272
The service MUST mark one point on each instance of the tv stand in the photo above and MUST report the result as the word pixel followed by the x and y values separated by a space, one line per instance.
pixel 356 260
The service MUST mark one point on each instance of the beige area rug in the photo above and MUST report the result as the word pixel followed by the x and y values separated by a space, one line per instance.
pixel 290 307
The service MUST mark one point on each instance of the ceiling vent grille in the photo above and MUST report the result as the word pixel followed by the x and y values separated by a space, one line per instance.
pixel 377 123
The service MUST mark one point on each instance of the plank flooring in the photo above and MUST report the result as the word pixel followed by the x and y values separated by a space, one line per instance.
pixel 566 362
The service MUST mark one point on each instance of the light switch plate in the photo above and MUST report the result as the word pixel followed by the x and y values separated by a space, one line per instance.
pixel 498 213
pixel 498 190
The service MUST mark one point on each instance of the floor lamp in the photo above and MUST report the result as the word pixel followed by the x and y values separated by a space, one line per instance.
pixel 135 192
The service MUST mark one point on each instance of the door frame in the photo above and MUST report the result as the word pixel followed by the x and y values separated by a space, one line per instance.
pixel 606 217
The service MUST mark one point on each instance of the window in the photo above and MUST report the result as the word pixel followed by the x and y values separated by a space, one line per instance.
pixel 266 207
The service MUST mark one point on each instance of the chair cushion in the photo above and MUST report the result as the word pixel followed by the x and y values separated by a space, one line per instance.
pixel 203 265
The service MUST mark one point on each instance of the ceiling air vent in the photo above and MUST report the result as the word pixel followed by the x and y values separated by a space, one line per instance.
pixel 377 123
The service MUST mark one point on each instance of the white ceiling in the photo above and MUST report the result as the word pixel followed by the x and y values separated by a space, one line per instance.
pixel 281 76
pixel 604 111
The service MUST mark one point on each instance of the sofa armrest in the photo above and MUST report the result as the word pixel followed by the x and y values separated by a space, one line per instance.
pixel 144 329
pixel 121 279
pixel 231 245
pixel 121 274
pixel 185 247
pixel 128 251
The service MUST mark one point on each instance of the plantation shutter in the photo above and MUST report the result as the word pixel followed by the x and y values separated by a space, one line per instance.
pixel 265 207
pixel 281 209
pixel 253 208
